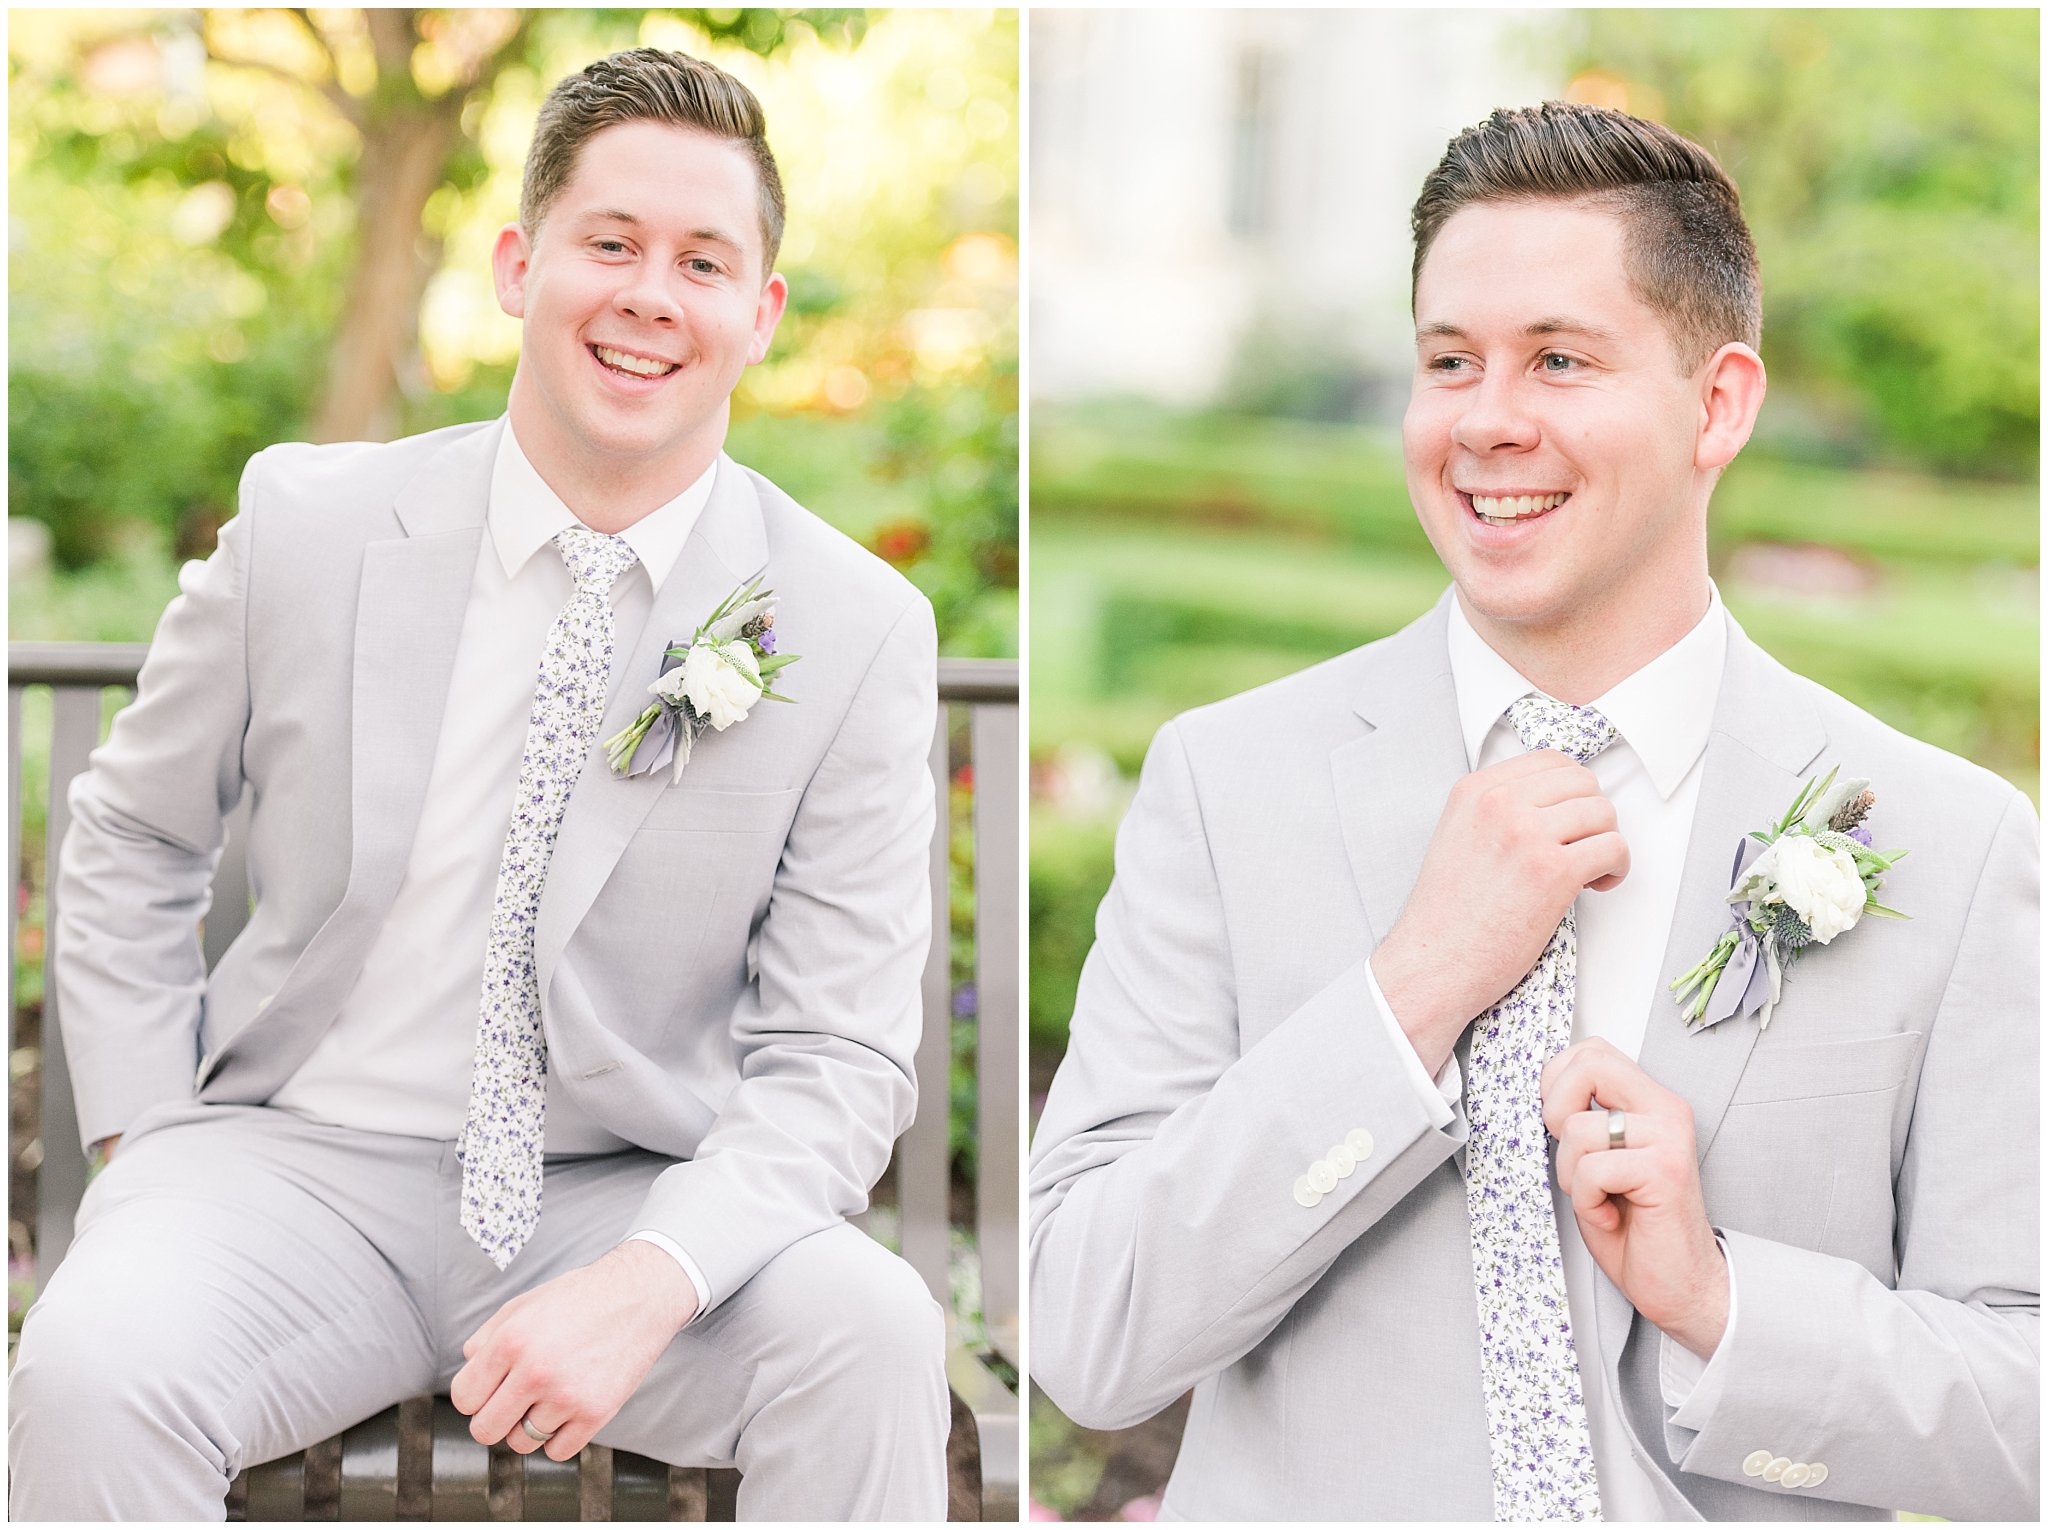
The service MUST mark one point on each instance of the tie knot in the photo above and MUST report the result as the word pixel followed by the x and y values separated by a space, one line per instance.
pixel 1578 732
pixel 595 560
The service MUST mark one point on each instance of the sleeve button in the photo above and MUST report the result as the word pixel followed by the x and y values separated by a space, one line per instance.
pixel 1306 1194
pixel 1754 1463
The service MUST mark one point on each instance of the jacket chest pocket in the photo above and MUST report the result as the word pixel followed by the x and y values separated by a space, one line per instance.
pixel 1804 1155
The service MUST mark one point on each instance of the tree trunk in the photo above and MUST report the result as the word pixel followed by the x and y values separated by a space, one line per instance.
pixel 406 150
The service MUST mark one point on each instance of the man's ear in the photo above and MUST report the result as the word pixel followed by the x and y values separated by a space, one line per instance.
pixel 768 314
pixel 1731 393
pixel 509 258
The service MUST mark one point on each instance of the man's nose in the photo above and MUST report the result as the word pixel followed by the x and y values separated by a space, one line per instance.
pixel 645 295
pixel 1496 415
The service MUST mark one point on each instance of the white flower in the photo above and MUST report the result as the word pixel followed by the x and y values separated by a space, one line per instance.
pixel 1818 883
pixel 721 681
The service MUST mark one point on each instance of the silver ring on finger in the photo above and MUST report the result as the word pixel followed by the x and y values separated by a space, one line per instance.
pixel 1617 1128
pixel 536 1435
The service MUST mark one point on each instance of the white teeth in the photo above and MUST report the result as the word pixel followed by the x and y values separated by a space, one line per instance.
pixel 1515 507
pixel 639 366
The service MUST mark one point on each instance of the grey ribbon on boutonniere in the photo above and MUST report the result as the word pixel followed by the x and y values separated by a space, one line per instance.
pixel 1750 975
pixel 668 732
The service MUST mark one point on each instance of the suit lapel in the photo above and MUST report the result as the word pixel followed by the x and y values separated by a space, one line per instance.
pixel 727 547
pixel 1766 738
pixel 1391 784
pixel 409 609
pixel 409 613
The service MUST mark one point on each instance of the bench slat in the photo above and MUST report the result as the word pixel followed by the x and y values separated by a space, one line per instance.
pixel 74 733
pixel 996 870
pixel 922 1156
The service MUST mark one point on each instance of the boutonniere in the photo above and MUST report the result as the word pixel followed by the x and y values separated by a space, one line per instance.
pixel 712 681
pixel 1815 876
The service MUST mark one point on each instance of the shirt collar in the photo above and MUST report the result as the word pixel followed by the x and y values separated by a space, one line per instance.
pixel 525 514
pixel 1665 710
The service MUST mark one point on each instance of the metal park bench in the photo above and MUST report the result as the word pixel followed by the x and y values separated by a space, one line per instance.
pixel 417 1460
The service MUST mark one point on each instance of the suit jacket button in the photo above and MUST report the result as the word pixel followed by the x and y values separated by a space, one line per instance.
pixel 1816 1474
pixel 1754 1463
pixel 1322 1174
pixel 1359 1140
pixel 1795 1475
pixel 1777 1468
pixel 1306 1194
pixel 1343 1160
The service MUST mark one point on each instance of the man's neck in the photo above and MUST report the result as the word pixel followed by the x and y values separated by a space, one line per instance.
pixel 609 493
pixel 1579 661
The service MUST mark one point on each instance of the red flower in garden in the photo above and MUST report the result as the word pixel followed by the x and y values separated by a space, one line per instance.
pixel 902 542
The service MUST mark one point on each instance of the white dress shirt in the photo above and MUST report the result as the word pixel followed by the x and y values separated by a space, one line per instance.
pixel 399 1055
pixel 1651 773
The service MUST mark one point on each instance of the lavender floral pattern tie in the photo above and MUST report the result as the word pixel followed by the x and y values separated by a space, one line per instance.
pixel 1535 1404
pixel 501 1140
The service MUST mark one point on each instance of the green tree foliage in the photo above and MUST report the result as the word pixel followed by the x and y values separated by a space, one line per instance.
pixel 1890 169
pixel 202 260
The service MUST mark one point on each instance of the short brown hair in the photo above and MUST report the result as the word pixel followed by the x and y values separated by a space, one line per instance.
pixel 648 85
pixel 1686 249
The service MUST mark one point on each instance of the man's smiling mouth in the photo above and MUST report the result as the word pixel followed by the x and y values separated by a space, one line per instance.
pixel 631 365
pixel 1510 509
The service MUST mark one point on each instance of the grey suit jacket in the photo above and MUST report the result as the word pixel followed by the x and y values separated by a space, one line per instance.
pixel 729 965
pixel 1871 1159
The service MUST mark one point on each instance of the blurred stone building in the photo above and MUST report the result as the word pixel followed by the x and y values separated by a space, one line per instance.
pixel 1219 198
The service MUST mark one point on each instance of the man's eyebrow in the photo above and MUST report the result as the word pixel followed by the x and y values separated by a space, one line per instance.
pixel 620 215
pixel 1554 324
pixel 1558 325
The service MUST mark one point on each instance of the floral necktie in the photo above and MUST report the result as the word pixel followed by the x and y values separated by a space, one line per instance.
pixel 501 1140
pixel 1535 1404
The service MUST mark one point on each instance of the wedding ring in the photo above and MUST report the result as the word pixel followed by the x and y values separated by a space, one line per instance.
pixel 1617 1128
pixel 534 1434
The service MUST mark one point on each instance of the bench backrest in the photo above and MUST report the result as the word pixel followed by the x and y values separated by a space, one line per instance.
pixel 978 725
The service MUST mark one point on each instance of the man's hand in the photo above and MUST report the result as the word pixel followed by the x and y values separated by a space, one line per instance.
pixel 1515 844
pixel 1639 1206
pixel 569 1353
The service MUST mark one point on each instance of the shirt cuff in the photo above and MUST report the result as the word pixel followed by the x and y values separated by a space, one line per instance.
pixel 1437 1094
pixel 1691 1385
pixel 668 1246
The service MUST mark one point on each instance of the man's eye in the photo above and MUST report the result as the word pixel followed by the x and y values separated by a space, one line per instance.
pixel 1554 361
pixel 611 246
pixel 1448 364
pixel 703 265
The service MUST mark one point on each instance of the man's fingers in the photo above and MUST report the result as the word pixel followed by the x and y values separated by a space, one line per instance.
pixel 1603 1180
pixel 499 1416
pixel 477 1380
pixel 1556 778
pixel 1598 858
pixel 1586 1132
pixel 1592 1070
pixel 574 1435
pixel 550 1418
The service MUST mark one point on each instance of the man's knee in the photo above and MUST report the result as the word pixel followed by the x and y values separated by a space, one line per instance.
pixel 81 1362
pixel 854 1310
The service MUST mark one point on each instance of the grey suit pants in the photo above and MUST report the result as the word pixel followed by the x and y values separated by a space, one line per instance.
pixel 245 1283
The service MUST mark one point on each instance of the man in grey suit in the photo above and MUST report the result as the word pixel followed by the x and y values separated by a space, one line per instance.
pixel 562 1114
pixel 1788 1273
